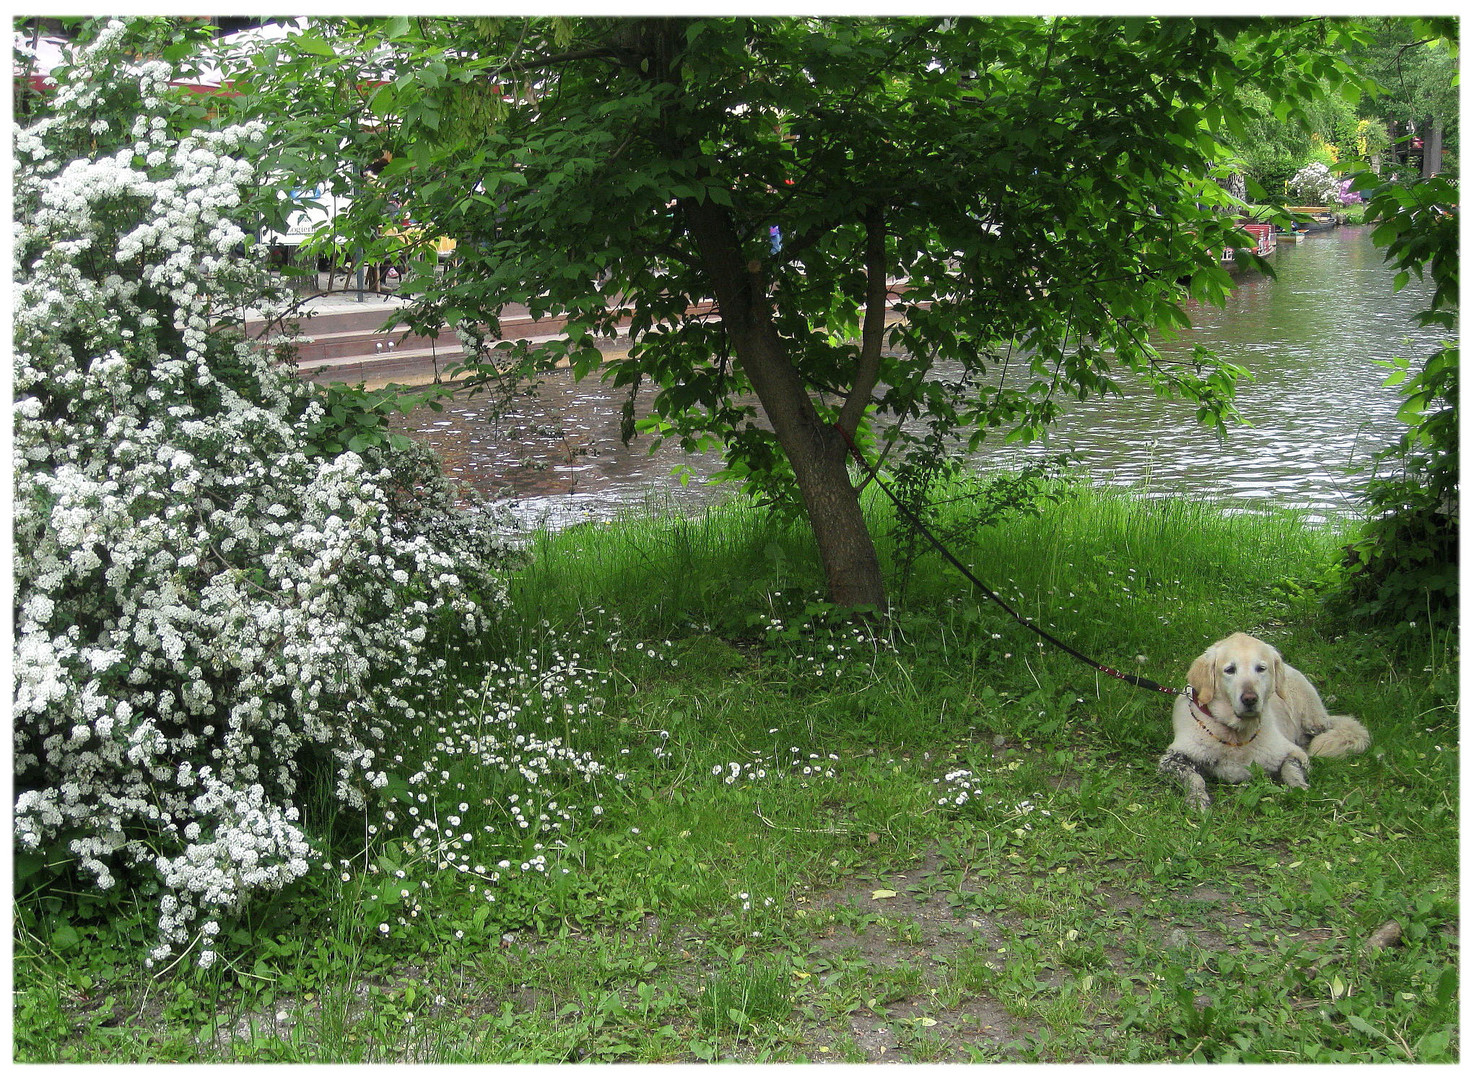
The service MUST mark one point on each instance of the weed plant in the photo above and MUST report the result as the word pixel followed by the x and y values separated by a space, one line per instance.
pixel 677 808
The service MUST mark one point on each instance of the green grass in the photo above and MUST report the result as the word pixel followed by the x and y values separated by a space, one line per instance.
pixel 921 839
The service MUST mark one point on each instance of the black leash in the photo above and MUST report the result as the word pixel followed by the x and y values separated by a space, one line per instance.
pixel 1136 680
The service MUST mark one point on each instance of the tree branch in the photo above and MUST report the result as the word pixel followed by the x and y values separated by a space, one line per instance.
pixel 600 52
pixel 869 355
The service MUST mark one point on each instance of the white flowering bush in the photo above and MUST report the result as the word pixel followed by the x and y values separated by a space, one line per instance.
pixel 210 612
pixel 1314 185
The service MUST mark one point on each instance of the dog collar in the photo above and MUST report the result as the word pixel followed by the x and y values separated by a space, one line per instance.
pixel 1195 707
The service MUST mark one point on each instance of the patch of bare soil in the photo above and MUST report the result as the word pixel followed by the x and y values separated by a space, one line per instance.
pixel 904 924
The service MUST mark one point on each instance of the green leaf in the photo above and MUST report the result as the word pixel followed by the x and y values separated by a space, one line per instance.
pixel 1432 1045
pixel 1446 986
pixel 27 864
pixel 312 43
pixel 397 788
pixel 1386 234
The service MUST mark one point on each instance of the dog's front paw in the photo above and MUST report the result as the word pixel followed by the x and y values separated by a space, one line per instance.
pixel 1190 776
pixel 1294 771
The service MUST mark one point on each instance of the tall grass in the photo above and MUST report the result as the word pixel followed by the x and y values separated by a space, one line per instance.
pixel 1084 542
pixel 1144 560
pixel 659 568
pixel 1141 585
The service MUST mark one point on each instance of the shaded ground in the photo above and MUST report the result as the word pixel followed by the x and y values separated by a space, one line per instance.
pixel 971 953
pixel 935 963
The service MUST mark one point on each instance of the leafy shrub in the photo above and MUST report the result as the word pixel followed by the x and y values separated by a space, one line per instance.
pixel 1403 566
pixel 1271 175
pixel 207 601
pixel 951 505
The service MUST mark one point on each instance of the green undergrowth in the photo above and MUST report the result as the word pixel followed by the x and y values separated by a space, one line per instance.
pixel 756 828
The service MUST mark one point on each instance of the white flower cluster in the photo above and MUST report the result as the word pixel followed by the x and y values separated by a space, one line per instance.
pixel 206 610
pixel 800 766
pixel 820 648
pixel 965 788
pixel 961 786
pixel 1315 184
pixel 514 730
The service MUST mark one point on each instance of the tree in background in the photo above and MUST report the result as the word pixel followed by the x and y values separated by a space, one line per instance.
pixel 1415 61
pixel 1270 151
pixel 1404 566
pixel 857 222
pixel 1406 117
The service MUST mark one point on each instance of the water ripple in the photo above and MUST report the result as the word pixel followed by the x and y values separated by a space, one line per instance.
pixel 1311 339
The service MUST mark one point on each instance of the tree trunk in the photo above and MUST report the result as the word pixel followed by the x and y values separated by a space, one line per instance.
pixel 1431 151
pixel 817 451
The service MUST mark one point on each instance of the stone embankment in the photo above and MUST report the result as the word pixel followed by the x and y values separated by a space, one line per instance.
pixel 345 340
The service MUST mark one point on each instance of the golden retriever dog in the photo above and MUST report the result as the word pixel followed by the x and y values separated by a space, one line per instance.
pixel 1250 707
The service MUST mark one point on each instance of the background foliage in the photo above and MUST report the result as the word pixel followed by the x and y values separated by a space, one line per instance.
pixel 751 202
pixel 1405 565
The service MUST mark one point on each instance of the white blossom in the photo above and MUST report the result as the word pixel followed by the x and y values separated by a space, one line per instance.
pixel 201 598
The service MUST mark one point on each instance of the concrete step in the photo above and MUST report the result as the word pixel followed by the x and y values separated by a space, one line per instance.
pixel 408 367
pixel 366 343
pixel 365 318
pixel 411 367
pixel 374 330
pixel 368 317
pixel 320 347
pixel 351 342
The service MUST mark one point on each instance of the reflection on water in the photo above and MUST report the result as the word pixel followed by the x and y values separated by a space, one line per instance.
pixel 556 456
pixel 1312 340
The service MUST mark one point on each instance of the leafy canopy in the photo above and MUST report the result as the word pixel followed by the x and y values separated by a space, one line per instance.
pixel 1045 187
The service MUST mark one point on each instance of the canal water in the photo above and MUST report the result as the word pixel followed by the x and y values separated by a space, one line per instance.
pixel 1312 339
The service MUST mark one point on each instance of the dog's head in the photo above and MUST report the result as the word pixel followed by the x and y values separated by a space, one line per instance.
pixel 1239 670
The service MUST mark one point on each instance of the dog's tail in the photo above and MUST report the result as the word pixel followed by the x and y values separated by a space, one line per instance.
pixel 1343 736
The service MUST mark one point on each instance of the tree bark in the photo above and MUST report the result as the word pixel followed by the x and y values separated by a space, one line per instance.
pixel 874 324
pixel 1431 149
pixel 816 451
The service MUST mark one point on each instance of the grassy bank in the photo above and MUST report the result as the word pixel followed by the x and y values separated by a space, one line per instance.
pixel 677 809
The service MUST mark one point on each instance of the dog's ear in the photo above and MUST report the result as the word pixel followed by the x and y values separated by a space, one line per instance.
pixel 1277 675
pixel 1202 676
